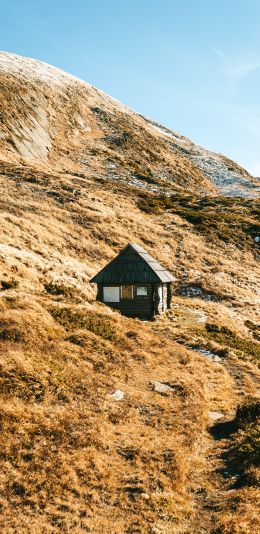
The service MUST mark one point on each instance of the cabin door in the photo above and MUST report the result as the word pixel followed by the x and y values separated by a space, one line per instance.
pixel 111 294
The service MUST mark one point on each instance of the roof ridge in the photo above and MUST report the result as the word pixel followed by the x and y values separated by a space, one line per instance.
pixel 159 272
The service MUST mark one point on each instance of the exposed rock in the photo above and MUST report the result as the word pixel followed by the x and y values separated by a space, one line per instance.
pixel 164 387
pixel 215 415
pixel 207 353
pixel 117 395
pixel 196 291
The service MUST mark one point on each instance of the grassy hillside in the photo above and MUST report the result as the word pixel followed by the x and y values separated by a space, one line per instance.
pixel 74 459
pixel 62 228
pixel 111 424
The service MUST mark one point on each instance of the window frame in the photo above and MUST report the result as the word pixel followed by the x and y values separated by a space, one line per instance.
pixel 142 294
pixel 132 292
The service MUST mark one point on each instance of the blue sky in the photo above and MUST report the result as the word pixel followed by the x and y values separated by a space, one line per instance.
pixel 193 65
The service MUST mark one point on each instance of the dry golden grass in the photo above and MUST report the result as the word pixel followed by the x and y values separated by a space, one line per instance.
pixel 242 516
pixel 67 238
pixel 72 459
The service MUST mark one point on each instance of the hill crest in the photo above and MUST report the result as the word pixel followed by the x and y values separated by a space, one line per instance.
pixel 51 118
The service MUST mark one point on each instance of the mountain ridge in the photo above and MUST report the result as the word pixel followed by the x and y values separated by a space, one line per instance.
pixel 58 120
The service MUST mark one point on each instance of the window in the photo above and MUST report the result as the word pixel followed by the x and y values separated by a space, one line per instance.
pixel 127 292
pixel 141 291
pixel 111 294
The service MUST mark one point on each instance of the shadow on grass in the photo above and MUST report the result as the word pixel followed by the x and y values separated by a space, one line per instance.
pixel 223 430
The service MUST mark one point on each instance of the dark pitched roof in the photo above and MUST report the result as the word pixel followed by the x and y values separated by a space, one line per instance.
pixel 133 265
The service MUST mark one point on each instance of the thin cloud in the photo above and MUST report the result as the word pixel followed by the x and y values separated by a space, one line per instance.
pixel 236 68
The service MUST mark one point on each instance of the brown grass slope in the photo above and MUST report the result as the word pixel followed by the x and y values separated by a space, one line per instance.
pixel 73 459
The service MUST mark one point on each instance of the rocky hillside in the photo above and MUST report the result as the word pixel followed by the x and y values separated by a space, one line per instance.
pixel 54 120
pixel 80 176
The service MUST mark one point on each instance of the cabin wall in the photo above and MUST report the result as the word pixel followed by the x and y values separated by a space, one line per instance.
pixel 139 306
pixel 157 301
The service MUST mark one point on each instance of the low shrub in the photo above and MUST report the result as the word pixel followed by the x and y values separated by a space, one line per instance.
pixel 10 332
pixel 9 284
pixel 249 445
pixel 225 336
pixel 74 319
pixel 219 219
pixel 21 384
pixel 78 339
pixel 244 455
pixel 248 413
pixel 68 292
pixel 150 205
pixel 251 325
pixel 254 328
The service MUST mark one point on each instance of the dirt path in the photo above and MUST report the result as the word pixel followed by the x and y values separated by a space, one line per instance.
pixel 216 480
pixel 228 382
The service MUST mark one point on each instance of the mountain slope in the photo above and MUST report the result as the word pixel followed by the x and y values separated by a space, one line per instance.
pixel 51 118
pixel 80 176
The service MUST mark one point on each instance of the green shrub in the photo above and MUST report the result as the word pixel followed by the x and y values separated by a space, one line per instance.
pixel 225 336
pixel 248 413
pixel 9 284
pixel 249 446
pixel 74 319
pixel 68 292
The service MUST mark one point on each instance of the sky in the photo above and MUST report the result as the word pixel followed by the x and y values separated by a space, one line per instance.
pixel 193 65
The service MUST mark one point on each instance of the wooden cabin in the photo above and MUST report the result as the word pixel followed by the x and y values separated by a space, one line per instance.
pixel 135 283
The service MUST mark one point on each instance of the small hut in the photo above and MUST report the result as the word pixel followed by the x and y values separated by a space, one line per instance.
pixel 135 283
